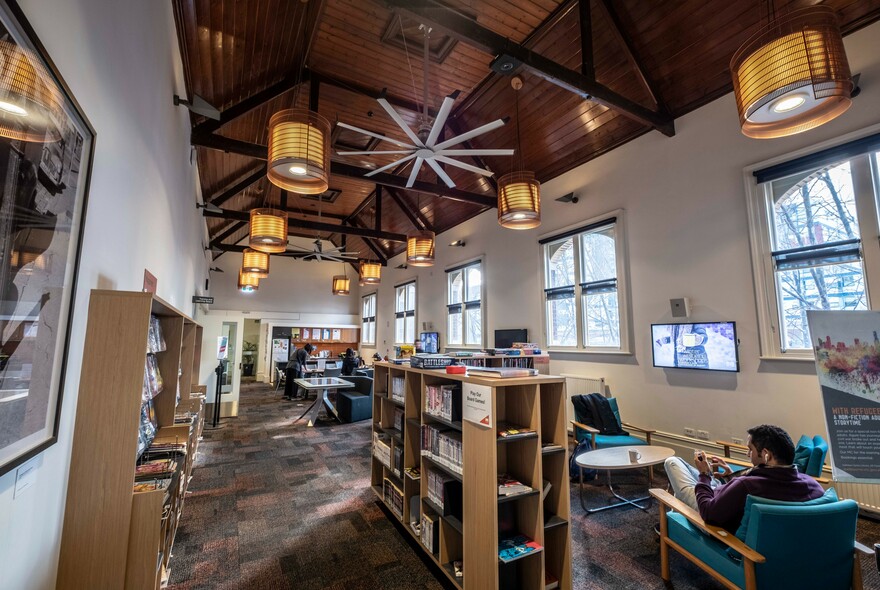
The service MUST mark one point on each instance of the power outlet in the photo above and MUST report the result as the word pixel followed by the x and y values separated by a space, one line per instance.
pixel 736 441
pixel 688 431
pixel 703 434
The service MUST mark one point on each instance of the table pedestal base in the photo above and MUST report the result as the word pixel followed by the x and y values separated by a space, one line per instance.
pixel 623 501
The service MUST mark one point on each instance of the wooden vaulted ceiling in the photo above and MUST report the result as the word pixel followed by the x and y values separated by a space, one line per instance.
pixel 251 58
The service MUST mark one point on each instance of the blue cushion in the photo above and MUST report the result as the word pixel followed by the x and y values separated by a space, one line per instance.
pixel 605 441
pixel 802 453
pixel 612 403
pixel 817 457
pixel 829 497
pixel 711 552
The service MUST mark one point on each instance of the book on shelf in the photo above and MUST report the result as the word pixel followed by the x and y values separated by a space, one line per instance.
pixel 442 445
pixel 443 401
pixel 157 468
pixel 547 447
pixel 513 548
pixel 546 485
pixel 510 431
pixel 551 582
pixel 413 472
pixel 508 486
pixel 458 568
pixel 502 372
pixel 445 493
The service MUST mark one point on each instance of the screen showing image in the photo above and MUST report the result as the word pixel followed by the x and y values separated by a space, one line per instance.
pixel 429 342
pixel 710 346
pixel 506 338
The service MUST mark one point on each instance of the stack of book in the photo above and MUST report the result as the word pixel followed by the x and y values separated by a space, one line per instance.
pixel 516 547
pixel 382 449
pixel 508 486
pixel 445 493
pixel 398 420
pixel 398 386
pixel 430 532
pixel 512 431
pixel 443 401
pixel 443 446
pixel 393 497
pixel 155 469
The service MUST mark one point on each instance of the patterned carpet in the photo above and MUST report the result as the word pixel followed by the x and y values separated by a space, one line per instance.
pixel 280 507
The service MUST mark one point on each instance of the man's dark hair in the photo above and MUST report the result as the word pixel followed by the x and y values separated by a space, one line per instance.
pixel 775 440
pixel 310 348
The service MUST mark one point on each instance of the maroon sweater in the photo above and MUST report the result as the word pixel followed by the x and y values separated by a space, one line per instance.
pixel 724 506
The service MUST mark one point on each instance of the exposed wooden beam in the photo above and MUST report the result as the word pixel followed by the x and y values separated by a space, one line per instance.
pixel 253 150
pixel 373 93
pixel 468 31
pixel 377 218
pixel 418 220
pixel 624 40
pixel 585 19
pixel 375 248
pixel 234 188
pixel 259 99
pixel 314 225
pixel 360 208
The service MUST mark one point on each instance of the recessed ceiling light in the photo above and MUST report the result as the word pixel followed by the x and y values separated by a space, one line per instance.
pixel 789 103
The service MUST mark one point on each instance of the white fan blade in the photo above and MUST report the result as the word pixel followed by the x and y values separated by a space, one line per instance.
pixel 458 164
pixel 369 153
pixel 469 134
pixel 376 135
pixel 440 172
pixel 400 122
pixel 474 152
pixel 391 165
pixel 440 121
pixel 415 172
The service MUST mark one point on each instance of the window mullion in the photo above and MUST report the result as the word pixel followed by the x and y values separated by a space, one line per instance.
pixel 580 315
pixel 864 187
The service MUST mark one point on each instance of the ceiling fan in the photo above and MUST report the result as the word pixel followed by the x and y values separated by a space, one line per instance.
pixel 423 145
pixel 337 254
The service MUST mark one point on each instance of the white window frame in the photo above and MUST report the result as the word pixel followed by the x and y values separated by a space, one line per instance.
pixel 366 319
pixel 414 311
pixel 463 266
pixel 760 224
pixel 623 295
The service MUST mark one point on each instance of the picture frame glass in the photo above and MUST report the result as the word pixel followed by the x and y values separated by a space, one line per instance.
pixel 45 157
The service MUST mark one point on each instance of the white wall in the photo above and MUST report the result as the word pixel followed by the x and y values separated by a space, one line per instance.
pixel 685 209
pixel 121 62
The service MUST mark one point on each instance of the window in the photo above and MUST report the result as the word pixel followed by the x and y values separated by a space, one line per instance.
pixel 464 308
pixel 807 217
pixel 368 319
pixel 582 292
pixel 405 314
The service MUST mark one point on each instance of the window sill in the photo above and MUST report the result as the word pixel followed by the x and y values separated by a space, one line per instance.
pixel 801 359
pixel 585 351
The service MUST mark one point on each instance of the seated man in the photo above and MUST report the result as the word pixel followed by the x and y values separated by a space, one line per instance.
pixel 773 476
pixel 349 362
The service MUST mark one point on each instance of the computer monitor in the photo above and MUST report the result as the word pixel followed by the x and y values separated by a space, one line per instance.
pixel 506 338
pixel 429 342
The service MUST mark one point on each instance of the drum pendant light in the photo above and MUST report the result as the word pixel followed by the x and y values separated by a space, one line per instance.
pixel 30 101
pixel 268 231
pixel 792 75
pixel 255 263
pixel 299 151
pixel 519 193
pixel 370 272
pixel 247 282
pixel 341 283
pixel 420 248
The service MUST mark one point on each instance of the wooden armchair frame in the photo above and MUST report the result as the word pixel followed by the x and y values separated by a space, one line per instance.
pixel 727 445
pixel 593 432
pixel 666 501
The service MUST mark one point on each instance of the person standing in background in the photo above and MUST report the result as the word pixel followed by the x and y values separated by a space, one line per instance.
pixel 296 368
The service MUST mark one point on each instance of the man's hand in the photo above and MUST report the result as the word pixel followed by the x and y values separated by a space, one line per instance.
pixel 720 466
pixel 701 464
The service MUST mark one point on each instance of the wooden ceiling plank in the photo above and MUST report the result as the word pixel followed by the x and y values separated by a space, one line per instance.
pixel 230 191
pixel 470 32
pixel 314 225
pixel 231 229
pixel 416 217
pixel 374 245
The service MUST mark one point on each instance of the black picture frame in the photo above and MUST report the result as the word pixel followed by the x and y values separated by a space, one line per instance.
pixel 40 244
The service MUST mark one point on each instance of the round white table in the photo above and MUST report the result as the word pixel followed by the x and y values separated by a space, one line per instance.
pixel 615 459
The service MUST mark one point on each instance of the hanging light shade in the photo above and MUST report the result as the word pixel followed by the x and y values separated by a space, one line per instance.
pixel 255 263
pixel 341 285
pixel 792 75
pixel 420 248
pixel 299 151
pixel 30 101
pixel 248 282
pixel 268 230
pixel 370 272
pixel 519 200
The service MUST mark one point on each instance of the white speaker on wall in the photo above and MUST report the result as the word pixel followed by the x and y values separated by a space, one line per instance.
pixel 680 307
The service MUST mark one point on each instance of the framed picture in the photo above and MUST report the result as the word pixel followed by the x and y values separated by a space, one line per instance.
pixel 337 334
pixel 316 333
pixel 46 149
pixel 326 334
pixel 305 334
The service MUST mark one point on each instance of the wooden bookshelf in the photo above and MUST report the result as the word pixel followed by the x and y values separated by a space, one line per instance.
pixel 541 362
pixel 114 537
pixel 472 537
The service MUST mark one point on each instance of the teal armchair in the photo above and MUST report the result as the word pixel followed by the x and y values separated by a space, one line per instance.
pixel 582 430
pixel 773 554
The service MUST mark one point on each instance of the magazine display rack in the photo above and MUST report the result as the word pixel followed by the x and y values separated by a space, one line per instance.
pixel 113 535
pixel 440 475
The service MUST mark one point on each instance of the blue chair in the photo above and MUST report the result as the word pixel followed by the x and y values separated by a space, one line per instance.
pixel 809 456
pixel 774 552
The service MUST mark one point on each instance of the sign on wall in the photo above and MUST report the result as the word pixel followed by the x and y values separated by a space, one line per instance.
pixel 477 404
pixel 847 348
pixel 280 350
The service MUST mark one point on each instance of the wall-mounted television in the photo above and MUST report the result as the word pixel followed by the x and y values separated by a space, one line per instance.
pixel 506 338
pixel 429 342
pixel 710 346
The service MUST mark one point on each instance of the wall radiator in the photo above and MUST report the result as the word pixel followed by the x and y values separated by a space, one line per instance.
pixel 867 495
pixel 579 385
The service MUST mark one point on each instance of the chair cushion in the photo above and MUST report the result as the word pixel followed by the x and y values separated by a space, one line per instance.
pixel 817 457
pixel 605 441
pixel 711 552
pixel 828 497
pixel 802 452
pixel 612 401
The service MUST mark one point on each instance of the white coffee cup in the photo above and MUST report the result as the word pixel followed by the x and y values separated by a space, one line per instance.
pixel 634 456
